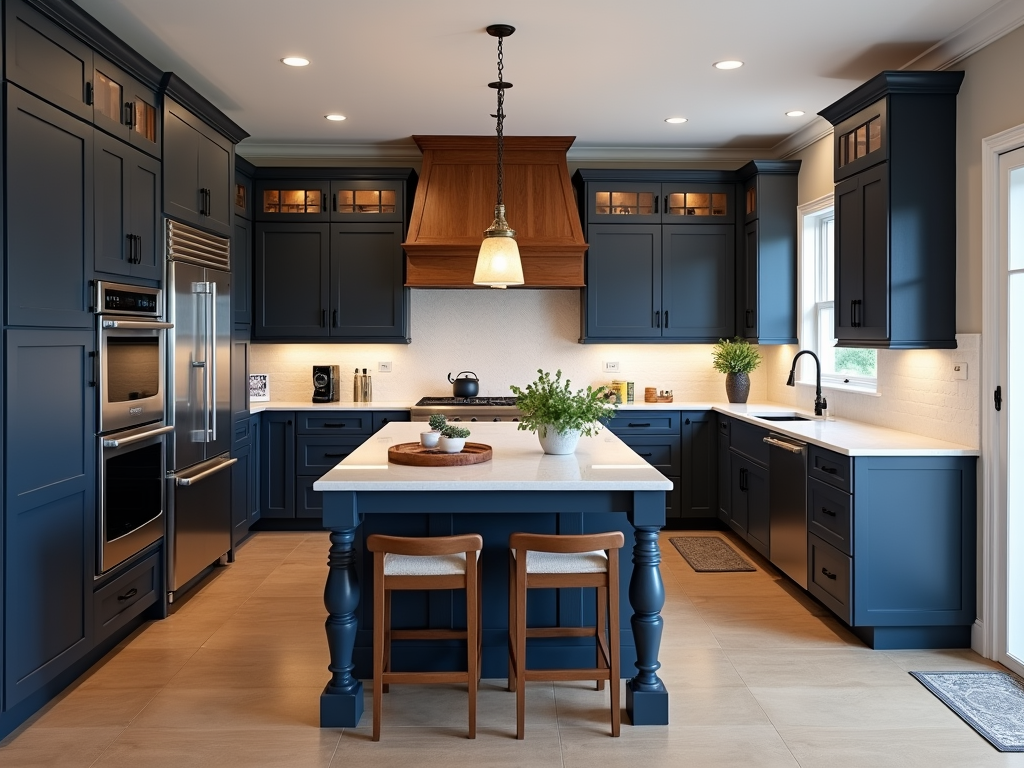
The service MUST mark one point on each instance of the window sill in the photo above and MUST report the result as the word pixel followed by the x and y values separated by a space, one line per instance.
pixel 857 389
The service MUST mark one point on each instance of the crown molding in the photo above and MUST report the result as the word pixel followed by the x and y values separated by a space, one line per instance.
pixel 814 131
pixel 392 153
pixel 983 30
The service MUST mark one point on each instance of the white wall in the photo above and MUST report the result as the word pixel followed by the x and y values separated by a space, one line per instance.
pixel 503 337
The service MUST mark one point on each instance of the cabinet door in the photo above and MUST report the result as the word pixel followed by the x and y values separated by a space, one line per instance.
pixel 127 193
pixel 757 509
pixel 241 272
pixel 367 201
pixel 292 280
pixel 747 316
pixel 697 203
pixel 623 202
pixel 124 107
pixel 240 374
pixel 697 285
pixel 623 293
pixel 724 479
pixel 699 448
pixel 216 176
pixel 277 464
pixel 256 438
pixel 739 493
pixel 181 166
pixel 862 257
pixel 50 500
pixel 368 296
pixel 49 214
pixel 241 485
pixel 292 200
pixel 144 215
pixel 44 58
pixel 242 197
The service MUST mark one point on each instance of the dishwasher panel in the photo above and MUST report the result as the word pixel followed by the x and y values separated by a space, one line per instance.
pixel 787 503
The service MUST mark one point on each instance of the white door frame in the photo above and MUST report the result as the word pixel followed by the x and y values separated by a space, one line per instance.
pixel 989 635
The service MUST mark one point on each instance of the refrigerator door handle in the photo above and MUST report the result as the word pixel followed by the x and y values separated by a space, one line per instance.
pixel 186 481
pixel 213 356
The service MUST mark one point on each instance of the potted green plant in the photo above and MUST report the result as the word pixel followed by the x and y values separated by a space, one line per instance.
pixel 558 415
pixel 736 359
pixel 453 438
pixel 437 422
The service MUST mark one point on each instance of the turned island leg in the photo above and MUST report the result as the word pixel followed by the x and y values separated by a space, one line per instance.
pixel 341 703
pixel 646 695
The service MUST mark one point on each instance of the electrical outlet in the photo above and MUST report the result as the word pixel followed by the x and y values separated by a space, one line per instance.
pixel 384 367
pixel 959 370
pixel 611 367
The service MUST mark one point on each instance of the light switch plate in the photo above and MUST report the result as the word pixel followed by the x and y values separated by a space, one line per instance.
pixel 384 367
pixel 611 366
pixel 959 370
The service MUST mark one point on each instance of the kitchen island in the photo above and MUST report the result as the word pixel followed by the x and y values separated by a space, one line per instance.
pixel 600 487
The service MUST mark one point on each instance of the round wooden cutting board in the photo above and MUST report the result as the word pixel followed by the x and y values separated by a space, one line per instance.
pixel 415 455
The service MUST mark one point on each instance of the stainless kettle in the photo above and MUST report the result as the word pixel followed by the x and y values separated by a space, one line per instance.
pixel 467 386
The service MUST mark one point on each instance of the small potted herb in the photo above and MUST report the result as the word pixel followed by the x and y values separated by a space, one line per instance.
pixel 453 438
pixel 558 415
pixel 736 359
pixel 437 422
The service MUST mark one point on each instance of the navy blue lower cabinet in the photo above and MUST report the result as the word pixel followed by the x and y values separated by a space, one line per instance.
pixel 50 506
pixel 749 501
pixel 277 464
pixel 699 490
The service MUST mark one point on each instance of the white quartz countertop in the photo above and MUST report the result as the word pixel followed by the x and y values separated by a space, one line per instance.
pixel 851 438
pixel 600 463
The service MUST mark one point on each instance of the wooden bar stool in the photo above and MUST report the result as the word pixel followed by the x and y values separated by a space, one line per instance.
pixel 546 561
pixel 441 562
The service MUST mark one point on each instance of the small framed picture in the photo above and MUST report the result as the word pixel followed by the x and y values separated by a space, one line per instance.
pixel 259 386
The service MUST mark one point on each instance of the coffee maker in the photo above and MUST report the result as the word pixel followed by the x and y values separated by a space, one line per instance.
pixel 325 383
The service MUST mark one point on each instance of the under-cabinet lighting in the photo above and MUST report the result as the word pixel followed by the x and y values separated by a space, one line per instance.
pixel 675 120
pixel 335 118
pixel 295 61
pixel 728 64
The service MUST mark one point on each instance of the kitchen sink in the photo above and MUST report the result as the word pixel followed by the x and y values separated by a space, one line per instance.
pixel 780 417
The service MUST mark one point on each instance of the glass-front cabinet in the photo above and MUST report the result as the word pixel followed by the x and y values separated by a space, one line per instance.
pixel 357 200
pixel 624 202
pixel 314 200
pixel 124 107
pixel 290 200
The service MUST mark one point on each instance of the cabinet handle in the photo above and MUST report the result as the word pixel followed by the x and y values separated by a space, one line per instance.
pixel 637 426
pixel 323 318
pixel 135 115
pixel 334 455
pixel 828 574
pixel 130 248
pixel 750 324
pixel 334 318
pixel 88 94
pixel 829 470
pixel 686 422
pixel 95 365
pixel 209 202
pixel 645 454
pixel 323 203
pixel 666 318
pixel 383 422
pixel 334 426
pixel 828 511
pixel 657 198
pixel 126 114
pixel 657 318
pixel 855 313
pixel 128 595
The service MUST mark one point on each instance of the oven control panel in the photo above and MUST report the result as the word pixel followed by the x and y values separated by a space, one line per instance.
pixel 120 299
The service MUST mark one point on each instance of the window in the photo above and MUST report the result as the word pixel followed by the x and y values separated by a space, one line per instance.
pixel 853 369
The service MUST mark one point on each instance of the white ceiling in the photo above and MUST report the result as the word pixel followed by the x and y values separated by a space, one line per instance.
pixel 606 72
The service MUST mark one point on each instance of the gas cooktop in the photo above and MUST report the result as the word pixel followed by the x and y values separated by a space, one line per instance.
pixel 470 401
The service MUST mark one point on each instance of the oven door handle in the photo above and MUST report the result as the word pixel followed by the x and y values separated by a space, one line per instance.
pixel 123 441
pixel 186 481
pixel 145 325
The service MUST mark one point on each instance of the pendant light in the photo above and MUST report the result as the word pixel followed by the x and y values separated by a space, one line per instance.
pixel 498 264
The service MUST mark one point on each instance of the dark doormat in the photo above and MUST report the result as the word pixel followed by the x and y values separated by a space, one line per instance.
pixel 710 554
pixel 992 703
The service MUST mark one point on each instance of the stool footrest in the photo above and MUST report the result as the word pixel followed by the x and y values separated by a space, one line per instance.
pixel 559 631
pixel 562 675
pixel 424 677
pixel 428 634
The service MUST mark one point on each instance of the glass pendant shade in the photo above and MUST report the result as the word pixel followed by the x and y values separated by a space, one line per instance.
pixel 498 264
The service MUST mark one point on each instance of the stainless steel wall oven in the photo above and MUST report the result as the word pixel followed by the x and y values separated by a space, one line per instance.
pixel 130 383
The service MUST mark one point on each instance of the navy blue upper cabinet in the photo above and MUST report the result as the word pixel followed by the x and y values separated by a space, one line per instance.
pixel 198 171
pixel 766 303
pixel 127 215
pixel 619 200
pixel 895 174
pixel 368 297
pixel 49 245
pixel 623 274
pixel 125 108
pixel 292 277
pixel 293 200
pixel 697 281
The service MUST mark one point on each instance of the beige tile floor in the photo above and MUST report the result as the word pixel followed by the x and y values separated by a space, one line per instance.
pixel 759 675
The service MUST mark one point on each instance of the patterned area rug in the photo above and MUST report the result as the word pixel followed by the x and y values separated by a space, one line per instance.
pixel 710 553
pixel 992 703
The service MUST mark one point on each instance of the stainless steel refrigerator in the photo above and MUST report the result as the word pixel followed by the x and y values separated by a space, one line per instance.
pixel 198 295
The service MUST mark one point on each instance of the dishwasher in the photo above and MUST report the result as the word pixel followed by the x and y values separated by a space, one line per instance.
pixel 787 506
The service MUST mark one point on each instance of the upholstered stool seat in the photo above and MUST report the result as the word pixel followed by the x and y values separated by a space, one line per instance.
pixel 440 562
pixel 550 561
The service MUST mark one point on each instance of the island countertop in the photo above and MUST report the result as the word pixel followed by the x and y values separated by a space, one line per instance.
pixel 602 462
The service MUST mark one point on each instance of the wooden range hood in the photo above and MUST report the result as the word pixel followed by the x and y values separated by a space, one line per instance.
pixel 454 204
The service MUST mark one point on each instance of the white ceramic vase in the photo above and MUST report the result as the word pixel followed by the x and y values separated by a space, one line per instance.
pixel 429 439
pixel 451 444
pixel 558 444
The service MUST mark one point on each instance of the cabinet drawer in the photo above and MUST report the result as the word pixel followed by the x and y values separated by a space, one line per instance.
pixel 830 577
pixel 316 455
pixel 125 597
pixel 830 467
pixel 338 423
pixel 749 440
pixel 308 503
pixel 380 418
pixel 830 515
pixel 241 432
pixel 662 453
pixel 645 422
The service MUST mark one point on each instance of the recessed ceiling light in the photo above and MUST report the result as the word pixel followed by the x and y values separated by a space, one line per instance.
pixel 335 118
pixel 728 64
pixel 675 120
pixel 795 113
pixel 295 61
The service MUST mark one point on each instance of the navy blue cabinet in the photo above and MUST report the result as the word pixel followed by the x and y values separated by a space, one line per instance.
pixel 623 276
pixel 291 273
pixel 127 210
pixel 277 464
pixel 49 247
pixel 697 289
pixel 895 173
pixel 743 460
pixel 50 506
pixel 699 490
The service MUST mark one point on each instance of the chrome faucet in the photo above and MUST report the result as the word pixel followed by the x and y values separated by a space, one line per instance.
pixel 819 402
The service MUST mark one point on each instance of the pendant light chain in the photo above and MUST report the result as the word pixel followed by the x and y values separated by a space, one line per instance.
pixel 500 125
